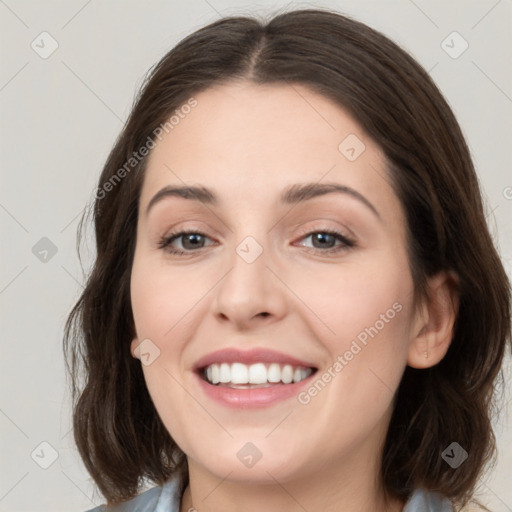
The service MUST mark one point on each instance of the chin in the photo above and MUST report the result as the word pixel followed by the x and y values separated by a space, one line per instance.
pixel 247 464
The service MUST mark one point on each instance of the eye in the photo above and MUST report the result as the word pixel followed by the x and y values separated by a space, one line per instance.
pixel 323 241
pixel 192 240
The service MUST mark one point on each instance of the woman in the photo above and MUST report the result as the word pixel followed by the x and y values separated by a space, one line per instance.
pixel 296 303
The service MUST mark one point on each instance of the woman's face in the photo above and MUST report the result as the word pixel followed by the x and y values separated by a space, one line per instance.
pixel 263 294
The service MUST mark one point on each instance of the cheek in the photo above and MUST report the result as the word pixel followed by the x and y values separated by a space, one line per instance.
pixel 163 304
pixel 163 299
pixel 353 393
pixel 365 312
pixel 360 301
pixel 368 310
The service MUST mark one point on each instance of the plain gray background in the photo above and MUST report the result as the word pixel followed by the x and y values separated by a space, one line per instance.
pixel 60 116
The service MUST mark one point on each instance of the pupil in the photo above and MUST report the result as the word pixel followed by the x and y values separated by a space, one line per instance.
pixel 192 236
pixel 322 236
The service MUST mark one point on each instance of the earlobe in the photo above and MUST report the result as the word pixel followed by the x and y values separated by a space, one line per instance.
pixel 435 321
pixel 134 348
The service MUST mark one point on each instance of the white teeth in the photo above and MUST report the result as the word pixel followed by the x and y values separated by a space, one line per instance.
pixel 239 373
pixel 225 373
pixel 215 374
pixel 287 374
pixel 274 373
pixel 258 373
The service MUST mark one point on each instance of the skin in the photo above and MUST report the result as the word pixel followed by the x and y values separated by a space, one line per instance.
pixel 248 142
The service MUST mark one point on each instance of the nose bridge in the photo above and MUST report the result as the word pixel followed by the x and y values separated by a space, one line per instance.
pixel 252 243
pixel 249 267
pixel 250 287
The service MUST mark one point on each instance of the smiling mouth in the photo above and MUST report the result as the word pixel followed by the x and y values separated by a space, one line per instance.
pixel 258 375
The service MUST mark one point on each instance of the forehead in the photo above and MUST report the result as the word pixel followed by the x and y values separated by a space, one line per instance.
pixel 254 140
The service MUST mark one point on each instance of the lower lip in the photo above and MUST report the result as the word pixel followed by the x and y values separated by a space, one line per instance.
pixel 252 397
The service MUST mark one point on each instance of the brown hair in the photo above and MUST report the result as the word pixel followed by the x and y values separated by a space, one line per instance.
pixel 119 434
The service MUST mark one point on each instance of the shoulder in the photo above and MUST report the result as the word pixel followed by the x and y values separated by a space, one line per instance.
pixel 427 501
pixel 145 502
pixel 162 498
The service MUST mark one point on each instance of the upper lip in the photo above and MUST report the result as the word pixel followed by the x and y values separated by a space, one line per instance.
pixel 254 355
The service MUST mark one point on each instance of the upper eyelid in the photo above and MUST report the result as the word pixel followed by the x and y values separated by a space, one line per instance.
pixel 182 232
pixel 345 230
pixel 348 233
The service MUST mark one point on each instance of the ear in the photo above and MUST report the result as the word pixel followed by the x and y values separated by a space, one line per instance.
pixel 134 345
pixel 434 321
pixel 134 348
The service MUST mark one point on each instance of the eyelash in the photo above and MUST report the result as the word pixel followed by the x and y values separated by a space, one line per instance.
pixel 347 243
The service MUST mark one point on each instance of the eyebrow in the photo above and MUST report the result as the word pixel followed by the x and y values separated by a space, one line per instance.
pixel 291 195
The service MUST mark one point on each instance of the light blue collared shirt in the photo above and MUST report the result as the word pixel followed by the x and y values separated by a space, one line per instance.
pixel 166 498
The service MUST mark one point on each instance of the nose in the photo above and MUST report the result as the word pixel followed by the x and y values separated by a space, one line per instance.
pixel 252 292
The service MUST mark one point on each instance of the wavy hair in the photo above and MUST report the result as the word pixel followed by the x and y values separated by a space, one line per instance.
pixel 118 432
